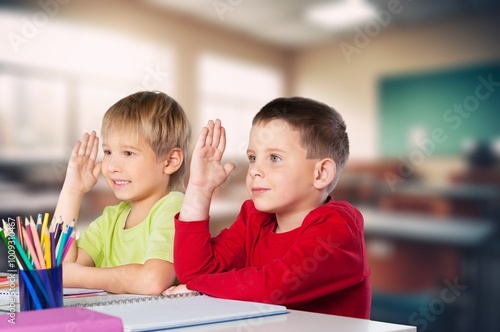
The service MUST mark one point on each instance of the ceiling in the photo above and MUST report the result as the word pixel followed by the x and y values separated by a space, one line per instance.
pixel 284 23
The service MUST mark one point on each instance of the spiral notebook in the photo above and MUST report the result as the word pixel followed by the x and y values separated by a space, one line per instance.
pixel 150 313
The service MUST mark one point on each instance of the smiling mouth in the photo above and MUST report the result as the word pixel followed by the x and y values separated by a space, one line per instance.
pixel 120 182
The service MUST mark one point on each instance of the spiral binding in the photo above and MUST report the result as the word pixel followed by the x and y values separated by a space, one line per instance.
pixel 145 299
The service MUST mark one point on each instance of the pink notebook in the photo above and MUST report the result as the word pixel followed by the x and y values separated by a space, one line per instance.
pixel 60 319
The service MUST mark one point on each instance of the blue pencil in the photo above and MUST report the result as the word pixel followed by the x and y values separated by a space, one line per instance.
pixel 31 290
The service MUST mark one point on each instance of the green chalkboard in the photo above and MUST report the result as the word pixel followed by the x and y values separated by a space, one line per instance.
pixel 438 111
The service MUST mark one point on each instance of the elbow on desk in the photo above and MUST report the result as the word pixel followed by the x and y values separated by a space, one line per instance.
pixel 186 272
pixel 149 282
pixel 155 285
pixel 184 278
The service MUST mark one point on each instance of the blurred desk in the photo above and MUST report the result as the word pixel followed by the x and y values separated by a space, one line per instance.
pixel 421 254
pixel 471 200
pixel 461 232
pixel 24 203
pixel 465 191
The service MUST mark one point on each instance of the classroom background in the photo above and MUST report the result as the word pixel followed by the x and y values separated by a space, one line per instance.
pixel 418 84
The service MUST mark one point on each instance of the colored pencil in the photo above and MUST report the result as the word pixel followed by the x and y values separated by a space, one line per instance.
pixel 28 264
pixel 18 228
pixel 39 225
pixel 4 239
pixel 37 242
pixel 68 246
pixel 31 249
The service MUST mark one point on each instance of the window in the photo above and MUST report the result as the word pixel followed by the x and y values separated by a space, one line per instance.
pixel 234 91
pixel 59 82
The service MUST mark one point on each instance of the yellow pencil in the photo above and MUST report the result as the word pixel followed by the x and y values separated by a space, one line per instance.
pixel 44 238
pixel 44 224
pixel 48 255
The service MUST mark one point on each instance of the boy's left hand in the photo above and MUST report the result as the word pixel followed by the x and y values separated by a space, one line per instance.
pixel 176 290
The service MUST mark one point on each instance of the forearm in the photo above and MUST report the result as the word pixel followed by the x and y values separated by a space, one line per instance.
pixel 150 278
pixel 277 283
pixel 196 253
pixel 207 172
pixel 323 260
pixel 67 210
pixel 68 205
pixel 196 205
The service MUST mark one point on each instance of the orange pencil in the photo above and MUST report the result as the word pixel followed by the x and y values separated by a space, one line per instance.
pixel 36 240
pixel 19 225
pixel 30 248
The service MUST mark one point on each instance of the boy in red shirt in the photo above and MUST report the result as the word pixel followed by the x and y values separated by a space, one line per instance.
pixel 291 244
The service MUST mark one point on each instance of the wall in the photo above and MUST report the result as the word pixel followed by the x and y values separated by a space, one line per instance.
pixel 188 37
pixel 324 72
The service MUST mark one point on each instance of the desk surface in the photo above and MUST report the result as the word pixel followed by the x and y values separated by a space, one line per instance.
pixel 293 321
pixel 296 321
pixel 299 321
pixel 461 232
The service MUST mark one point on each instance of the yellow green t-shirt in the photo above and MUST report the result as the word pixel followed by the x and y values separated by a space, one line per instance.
pixel 109 244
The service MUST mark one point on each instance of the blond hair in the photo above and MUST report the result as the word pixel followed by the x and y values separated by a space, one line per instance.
pixel 156 118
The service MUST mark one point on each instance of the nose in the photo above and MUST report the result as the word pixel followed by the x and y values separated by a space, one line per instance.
pixel 112 164
pixel 254 169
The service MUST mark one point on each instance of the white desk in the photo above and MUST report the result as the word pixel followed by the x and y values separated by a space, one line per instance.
pixel 459 232
pixel 293 321
pixel 300 321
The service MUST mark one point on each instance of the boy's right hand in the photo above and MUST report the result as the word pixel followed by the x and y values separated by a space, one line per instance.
pixel 206 171
pixel 83 171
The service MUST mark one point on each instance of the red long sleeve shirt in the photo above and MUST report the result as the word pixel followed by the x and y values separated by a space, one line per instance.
pixel 320 266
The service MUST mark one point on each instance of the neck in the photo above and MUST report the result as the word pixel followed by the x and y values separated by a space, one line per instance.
pixel 140 209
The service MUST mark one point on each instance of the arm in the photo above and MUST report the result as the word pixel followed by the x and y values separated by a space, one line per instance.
pixel 324 259
pixel 137 263
pixel 206 172
pixel 81 176
pixel 197 253
pixel 150 278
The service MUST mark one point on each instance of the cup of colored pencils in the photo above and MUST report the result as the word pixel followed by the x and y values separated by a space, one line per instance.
pixel 40 248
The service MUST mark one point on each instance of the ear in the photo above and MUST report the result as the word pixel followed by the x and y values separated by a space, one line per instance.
pixel 324 173
pixel 173 161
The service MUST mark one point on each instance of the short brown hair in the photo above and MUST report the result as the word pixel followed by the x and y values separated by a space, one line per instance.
pixel 322 129
pixel 157 118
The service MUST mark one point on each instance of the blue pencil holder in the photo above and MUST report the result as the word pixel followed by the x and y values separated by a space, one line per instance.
pixel 40 289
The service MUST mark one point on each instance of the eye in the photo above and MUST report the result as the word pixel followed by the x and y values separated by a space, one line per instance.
pixel 275 158
pixel 128 153
pixel 107 152
pixel 251 159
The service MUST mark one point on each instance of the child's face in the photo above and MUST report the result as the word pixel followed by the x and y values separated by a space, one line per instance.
pixel 131 169
pixel 280 177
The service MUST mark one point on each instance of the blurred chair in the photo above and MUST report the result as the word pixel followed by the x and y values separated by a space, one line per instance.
pixel 408 276
pixel 406 309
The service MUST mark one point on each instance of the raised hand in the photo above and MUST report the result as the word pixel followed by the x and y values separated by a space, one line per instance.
pixel 206 168
pixel 206 172
pixel 83 171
